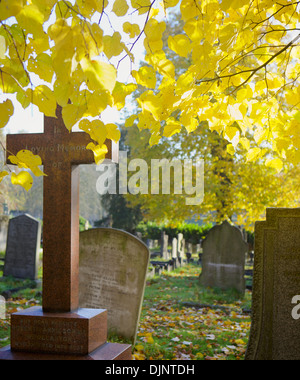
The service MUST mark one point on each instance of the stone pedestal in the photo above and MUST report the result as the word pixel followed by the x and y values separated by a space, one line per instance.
pixel 79 335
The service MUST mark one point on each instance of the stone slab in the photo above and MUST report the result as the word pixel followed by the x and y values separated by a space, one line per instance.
pixel 112 274
pixel 80 332
pixel 275 330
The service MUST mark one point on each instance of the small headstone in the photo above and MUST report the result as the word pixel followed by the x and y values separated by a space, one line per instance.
pixel 4 220
pixel 23 247
pixel 112 275
pixel 223 259
pixel 275 332
pixel 164 246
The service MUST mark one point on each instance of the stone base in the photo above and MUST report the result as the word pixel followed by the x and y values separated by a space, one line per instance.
pixel 74 333
pixel 108 351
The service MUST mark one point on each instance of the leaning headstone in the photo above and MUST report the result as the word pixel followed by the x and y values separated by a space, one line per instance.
pixel 275 332
pixel 223 258
pixel 4 220
pixel 112 273
pixel 23 247
pixel 164 246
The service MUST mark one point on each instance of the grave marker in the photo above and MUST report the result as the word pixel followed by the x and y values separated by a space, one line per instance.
pixel 164 246
pixel 39 333
pixel 223 258
pixel 112 274
pixel 23 248
pixel 275 332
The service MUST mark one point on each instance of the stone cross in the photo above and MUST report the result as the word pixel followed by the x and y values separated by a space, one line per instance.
pixel 61 152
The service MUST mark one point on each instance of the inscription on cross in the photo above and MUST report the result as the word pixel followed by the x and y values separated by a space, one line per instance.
pixel 61 153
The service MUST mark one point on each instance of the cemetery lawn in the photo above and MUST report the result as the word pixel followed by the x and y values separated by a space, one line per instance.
pixel 180 319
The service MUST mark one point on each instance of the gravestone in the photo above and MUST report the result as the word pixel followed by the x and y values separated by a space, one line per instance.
pixel 275 332
pixel 164 246
pixel 4 220
pixel 175 252
pixel 23 248
pixel 181 248
pixel 60 330
pixel 223 258
pixel 112 274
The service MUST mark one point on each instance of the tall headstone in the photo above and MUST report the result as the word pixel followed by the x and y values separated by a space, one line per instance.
pixel 275 332
pixel 112 273
pixel 223 259
pixel 164 246
pixel 60 330
pixel 180 248
pixel 175 251
pixel 23 248
pixel 4 220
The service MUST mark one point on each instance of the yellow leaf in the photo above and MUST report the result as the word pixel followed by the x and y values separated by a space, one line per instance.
pixel 146 76
pixel 170 3
pixel 99 152
pixel 100 75
pixel 130 120
pixel 9 8
pixel 23 179
pixel 120 92
pixel 230 149
pixel 31 19
pixel 253 154
pixel 113 45
pixel 275 163
pixel 180 44
pixel 44 99
pixel 172 126
pixel 27 160
pixel 154 139
pixel 96 129
pixel 2 47
pixel 71 114
pixel 42 66
pixel 132 29
pixel 6 111
pixel 148 338
pixel 141 5
pixel 113 132
pixel 120 8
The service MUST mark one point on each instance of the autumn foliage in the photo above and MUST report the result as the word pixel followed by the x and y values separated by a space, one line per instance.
pixel 242 78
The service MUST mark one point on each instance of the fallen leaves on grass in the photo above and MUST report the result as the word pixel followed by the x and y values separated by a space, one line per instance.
pixel 170 331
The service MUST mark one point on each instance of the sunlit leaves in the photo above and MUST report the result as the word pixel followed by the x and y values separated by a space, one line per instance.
pixel 146 76
pixel 27 160
pixel 100 75
pixel 180 44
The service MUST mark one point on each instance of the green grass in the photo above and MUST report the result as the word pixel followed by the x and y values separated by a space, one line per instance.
pixel 168 328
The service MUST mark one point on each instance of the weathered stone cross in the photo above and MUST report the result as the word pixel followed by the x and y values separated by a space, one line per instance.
pixel 61 153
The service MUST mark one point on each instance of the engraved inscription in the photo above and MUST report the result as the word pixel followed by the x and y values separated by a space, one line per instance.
pixel 49 335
